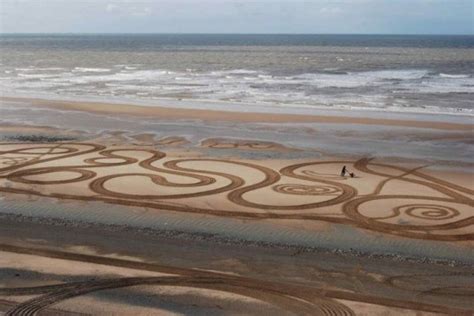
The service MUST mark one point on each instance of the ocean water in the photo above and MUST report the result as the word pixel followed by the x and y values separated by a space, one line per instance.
pixel 432 74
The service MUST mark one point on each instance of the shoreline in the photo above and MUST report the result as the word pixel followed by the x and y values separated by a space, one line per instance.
pixel 163 112
pixel 248 106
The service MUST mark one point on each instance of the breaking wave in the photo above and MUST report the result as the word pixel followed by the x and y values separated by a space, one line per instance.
pixel 368 89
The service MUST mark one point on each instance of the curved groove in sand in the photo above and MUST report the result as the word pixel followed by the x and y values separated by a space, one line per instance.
pixel 304 300
pixel 281 298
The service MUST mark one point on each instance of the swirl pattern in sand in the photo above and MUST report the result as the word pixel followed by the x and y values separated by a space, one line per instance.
pixel 301 189
pixel 429 208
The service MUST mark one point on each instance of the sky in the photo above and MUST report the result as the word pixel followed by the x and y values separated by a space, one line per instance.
pixel 238 16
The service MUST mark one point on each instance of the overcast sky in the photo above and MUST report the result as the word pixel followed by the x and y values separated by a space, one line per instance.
pixel 237 16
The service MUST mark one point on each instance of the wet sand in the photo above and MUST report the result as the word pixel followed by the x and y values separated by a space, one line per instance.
pixel 172 113
pixel 237 208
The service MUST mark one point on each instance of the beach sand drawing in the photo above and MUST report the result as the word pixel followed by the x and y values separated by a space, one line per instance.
pixel 236 174
pixel 222 143
pixel 431 208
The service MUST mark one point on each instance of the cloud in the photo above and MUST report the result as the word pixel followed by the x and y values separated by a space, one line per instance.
pixel 141 11
pixel 330 10
pixel 237 16
pixel 111 7
pixel 125 8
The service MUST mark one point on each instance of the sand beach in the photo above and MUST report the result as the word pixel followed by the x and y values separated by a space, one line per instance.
pixel 118 208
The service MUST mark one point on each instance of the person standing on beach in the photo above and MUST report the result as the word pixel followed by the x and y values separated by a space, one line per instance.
pixel 343 171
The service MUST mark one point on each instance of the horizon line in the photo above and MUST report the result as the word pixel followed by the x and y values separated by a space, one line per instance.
pixel 227 33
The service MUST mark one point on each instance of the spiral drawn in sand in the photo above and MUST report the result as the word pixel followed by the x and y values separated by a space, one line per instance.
pixel 428 211
pixel 397 222
pixel 302 189
pixel 422 211
pixel 174 183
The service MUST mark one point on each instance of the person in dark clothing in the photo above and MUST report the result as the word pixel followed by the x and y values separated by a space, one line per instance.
pixel 343 171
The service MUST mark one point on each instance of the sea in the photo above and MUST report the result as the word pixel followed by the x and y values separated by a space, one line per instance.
pixel 404 73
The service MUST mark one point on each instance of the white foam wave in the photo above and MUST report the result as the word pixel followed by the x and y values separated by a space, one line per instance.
pixel 84 69
pixel 234 72
pixel 36 69
pixel 37 76
pixel 25 69
pixel 373 89
pixel 360 79
pixel 454 76
pixel 395 74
